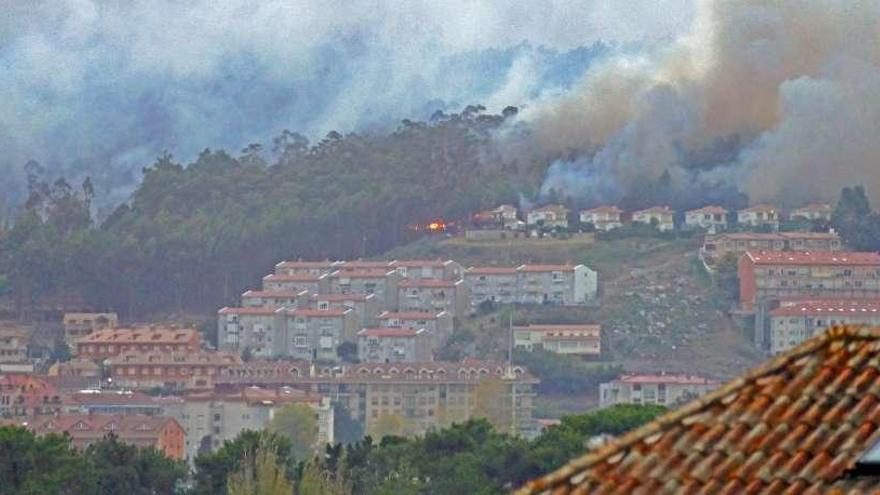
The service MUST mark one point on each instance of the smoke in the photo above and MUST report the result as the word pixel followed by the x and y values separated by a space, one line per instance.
pixel 777 98
pixel 102 88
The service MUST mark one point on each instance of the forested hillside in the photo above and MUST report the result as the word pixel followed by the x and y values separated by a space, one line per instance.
pixel 193 237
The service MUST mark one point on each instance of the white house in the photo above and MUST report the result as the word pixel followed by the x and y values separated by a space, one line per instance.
pixel 661 217
pixel 759 215
pixel 548 216
pixel 710 218
pixel 603 217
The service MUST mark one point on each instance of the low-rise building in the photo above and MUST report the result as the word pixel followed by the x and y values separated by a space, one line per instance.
pixel 315 284
pixel 258 330
pixel 759 216
pixel 364 306
pixel 603 218
pixel 314 268
pixel 566 285
pixel 275 299
pixel 795 321
pixel 381 282
pixel 85 368
pixel 439 325
pixel 113 402
pixel 495 284
pixel 27 396
pixel 193 370
pixel 814 211
pixel 78 325
pixel 668 390
pixel 395 345
pixel 429 269
pixel 709 218
pixel 107 343
pixel 364 266
pixel 548 217
pixel 737 243
pixel 14 340
pixel 434 296
pixel 661 217
pixel 158 432
pixel 580 340
pixel 502 217
pixel 316 333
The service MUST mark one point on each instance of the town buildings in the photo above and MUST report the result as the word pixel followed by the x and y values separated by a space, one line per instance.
pixel 429 269
pixel 603 218
pixel 358 278
pixel 795 321
pixel 316 333
pixel 566 285
pixel 661 217
pixel 395 345
pixel 14 340
pixel 313 268
pixel 434 296
pixel 670 390
pixel 762 215
pixel 78 325
pixel 548 217
pixel 274 299
pixel 108 343
pixel 296 282
pixel 709 218
pixel 365 307
pixel 174 371
pixel 813 212
pixel 439 325
pixel 158 432
pixel 258 329
pixel 579 340
pixel 27 396
pixel 737 243
pixel 503 217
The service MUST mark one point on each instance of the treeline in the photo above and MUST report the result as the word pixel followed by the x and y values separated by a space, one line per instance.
pixel 194 237
pixel 467 458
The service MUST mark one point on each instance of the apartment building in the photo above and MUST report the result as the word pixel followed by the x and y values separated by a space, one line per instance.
pixel 603 218
pixel 313 268
pixel 381 282
pixel 316 333
pixel 709 218
pixel 212 417
pixel 158 432
pixel 14 340
pixel 112 402
pixel 566 285
pixel 78 325
pixel 27 396
pixel 275 299
pixel 395 345
pixel 364 266
pixel 434 296
pixel 548 217
pixel 429 269
pixel 108 343
pixel 439 325
pixel 494 284
pixel 315 284
pixel 814 211
pixel 364 306
pixel 424 396
pixel 737 243
pixel 795 321
pixel 762 215
pixel 502 217
pixel 661 217
pixel 181 370
pixel 767 275
pixel 579 340
pixel 259 330
pixel 670 390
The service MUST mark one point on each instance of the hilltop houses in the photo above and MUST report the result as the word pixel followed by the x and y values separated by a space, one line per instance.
pixel 812 212
pixel 709 218
pixel 548 217
pixel 603 218
pixel 661 217
pixel 762 215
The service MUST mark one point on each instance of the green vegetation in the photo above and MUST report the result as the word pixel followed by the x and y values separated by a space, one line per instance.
pixel 566 374
pixel 470 458
pixel 193 238
pixel 853 219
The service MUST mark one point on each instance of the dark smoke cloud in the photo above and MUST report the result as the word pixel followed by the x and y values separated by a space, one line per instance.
pixel 103 87
pixel 780 99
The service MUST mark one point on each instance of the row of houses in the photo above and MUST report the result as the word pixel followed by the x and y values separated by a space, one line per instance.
pixel 607 217
pixel 394 311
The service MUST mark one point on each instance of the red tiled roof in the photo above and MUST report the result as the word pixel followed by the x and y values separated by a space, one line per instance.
pixel 544 268
pixel 302 277
pixel 593 329
pixel 363 273
pixel 319 313
pixel 669 379
pixel 415 263
pixel 148 335
pixel 409 315
pixel 838 258
pixel 361 264
pixel 604 209
pixel 305 264
pixel 98 425
pixel 251 311
pixel 341 297
pixel 834 307
pixel 491 270
pixel 758 208
pixel 796 424
pixel 552 208
pixel 713 210
pixel 663 210
pixel 428 284
pixel 275 294
pixel 389 332
pixel 777 236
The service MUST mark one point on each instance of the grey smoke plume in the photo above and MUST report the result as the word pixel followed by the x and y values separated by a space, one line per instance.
pixel 780 98
pixel 103 87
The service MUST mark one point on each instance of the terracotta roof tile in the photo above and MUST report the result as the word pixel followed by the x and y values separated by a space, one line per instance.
pixel 797 424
